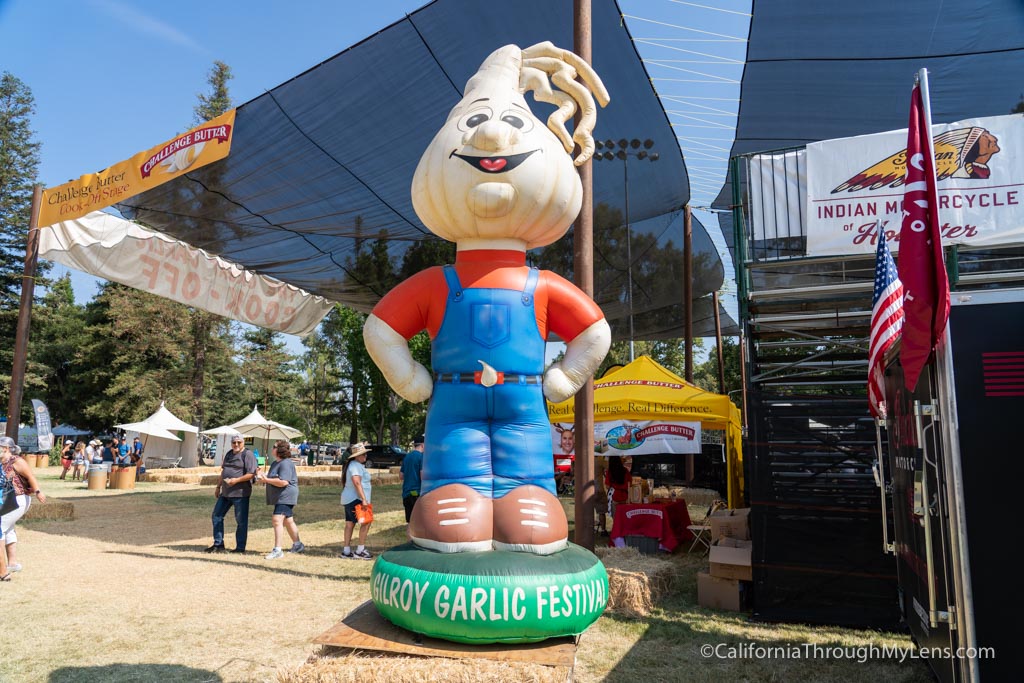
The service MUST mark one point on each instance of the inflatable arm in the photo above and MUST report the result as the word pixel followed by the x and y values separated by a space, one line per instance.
pixel 582 356
pixel 390 351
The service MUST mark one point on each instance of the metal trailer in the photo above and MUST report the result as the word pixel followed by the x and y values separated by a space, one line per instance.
pixel 952 443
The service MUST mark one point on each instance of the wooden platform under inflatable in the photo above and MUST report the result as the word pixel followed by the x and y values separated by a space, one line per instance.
pixel 365 629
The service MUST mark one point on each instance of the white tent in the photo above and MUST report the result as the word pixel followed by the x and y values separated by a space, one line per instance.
pixel 223 439
pixel 161 452
pixel 254 426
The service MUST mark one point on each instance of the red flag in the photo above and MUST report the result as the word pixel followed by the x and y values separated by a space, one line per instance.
pixel 921 266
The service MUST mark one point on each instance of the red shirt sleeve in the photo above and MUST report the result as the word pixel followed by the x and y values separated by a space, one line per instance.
pixel 415 304
pixel 569 310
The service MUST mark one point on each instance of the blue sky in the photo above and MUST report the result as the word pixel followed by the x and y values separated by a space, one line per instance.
pixel 113 77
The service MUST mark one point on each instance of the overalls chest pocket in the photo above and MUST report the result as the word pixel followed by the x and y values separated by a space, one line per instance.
pixel 490 324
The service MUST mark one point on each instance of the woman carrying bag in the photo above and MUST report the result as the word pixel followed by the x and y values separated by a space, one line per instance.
pixel 355 496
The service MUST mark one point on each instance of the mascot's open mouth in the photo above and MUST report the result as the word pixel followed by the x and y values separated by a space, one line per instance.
pixel 493 164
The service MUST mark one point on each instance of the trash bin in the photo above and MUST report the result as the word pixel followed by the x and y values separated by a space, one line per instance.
pixel 98 476
pixel 123 477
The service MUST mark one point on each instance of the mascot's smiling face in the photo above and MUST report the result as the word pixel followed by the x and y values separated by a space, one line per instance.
pixel 494 171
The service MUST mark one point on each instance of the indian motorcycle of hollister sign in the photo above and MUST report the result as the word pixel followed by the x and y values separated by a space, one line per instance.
pixel 855 184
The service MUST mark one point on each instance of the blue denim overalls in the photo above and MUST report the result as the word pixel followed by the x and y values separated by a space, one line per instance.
pixel 497 438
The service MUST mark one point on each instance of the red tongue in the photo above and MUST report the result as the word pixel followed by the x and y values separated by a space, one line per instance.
pixel 495 164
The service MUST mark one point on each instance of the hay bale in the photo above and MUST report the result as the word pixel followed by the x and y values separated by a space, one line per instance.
pixel 50 510
pixel 635 582
pixel 692 496
pixel 320 479
pixel 342 665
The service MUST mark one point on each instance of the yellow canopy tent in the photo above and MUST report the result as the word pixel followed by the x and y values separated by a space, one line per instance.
pixel 644 390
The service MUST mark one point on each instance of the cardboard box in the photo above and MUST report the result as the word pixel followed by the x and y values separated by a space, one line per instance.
pixel 731 524
pixel 638 490
pixel 716 593
pixel 730 559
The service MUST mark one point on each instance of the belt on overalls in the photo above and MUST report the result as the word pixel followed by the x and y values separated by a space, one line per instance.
pixel 474 378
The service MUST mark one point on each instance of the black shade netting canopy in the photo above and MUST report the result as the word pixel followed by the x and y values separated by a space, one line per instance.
pixel 819 71
pixel 316 190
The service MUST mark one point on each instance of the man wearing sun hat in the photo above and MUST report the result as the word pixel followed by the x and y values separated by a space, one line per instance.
pixel 233 491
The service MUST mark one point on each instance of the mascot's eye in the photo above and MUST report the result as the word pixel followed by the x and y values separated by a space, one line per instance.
pixel 513 120
pixel 474 118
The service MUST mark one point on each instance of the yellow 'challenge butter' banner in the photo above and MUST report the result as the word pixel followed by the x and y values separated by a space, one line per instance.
pixel 200 146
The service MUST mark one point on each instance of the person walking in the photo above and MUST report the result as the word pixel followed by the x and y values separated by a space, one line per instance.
pixel 66 455
pixel 410 476
pixel 78 461
pixel 282 482
pixel 233 491
pixel 355 479
pixel 17 471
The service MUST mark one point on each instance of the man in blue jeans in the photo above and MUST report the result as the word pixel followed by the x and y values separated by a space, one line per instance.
pixel 234 490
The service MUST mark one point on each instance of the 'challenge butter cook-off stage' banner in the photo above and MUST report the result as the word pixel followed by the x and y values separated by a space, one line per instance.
pixel 853 184
pixel 198 147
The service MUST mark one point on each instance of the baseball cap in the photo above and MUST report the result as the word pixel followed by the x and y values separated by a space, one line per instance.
pixel 7 442
pixel 237 439
pixel 418 440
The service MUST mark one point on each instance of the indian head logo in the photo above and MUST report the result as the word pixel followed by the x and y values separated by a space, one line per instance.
pixel 960 153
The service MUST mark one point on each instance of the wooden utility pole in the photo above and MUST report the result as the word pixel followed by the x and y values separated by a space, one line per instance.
pixel 718 339
pixel 583 274
pixel 28 286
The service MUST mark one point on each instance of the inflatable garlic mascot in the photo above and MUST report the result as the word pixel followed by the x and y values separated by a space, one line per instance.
pixel 490 558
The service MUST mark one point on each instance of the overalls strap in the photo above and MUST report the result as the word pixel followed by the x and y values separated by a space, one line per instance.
pixel 531 286
pixel 454 286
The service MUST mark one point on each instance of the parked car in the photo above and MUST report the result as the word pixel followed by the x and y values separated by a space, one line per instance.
pixel 381 455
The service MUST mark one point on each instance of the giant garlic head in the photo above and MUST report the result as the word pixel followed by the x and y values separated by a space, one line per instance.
pixel 495 171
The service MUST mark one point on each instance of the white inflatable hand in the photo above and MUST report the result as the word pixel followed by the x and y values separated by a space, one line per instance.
pixel 390 352
pixel 582 356
pixel 557 386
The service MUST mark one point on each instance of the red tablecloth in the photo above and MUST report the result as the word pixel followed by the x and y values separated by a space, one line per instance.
pixel 665 522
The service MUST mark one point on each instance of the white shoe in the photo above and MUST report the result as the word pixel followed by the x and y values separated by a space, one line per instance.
pixel 14 568
pixel 275 554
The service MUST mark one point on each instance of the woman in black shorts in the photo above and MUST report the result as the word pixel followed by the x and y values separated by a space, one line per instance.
pixel 283 493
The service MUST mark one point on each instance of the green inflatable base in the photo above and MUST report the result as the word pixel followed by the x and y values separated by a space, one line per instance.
pixel 490 597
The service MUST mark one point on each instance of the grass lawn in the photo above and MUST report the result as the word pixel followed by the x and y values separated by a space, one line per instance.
pixel 124 593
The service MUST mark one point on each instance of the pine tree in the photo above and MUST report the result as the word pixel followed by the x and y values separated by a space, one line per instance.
pixel 19 162
pixel 269 379
pixel 219 100
pixel 210 354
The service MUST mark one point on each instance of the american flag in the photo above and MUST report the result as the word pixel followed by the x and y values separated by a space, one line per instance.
pixel 886 323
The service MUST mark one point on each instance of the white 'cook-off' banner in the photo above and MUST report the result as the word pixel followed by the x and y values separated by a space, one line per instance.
pixel 854 182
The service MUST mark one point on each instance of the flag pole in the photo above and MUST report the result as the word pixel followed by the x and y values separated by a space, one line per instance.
pixel 963 591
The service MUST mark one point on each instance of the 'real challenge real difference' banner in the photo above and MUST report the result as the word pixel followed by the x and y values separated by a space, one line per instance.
pixel 198 147
pixel 855 183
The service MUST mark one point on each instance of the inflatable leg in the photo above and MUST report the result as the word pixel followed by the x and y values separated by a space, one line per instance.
pixel 531 520
pixel 452 519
